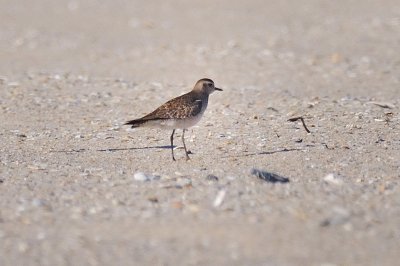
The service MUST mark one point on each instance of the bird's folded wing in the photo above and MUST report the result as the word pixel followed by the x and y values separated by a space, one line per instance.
pixel 178 108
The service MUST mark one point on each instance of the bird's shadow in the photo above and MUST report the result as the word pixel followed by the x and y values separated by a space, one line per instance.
pixel 115 149
pixel 263 153
pixel 137 148
pixel 169 147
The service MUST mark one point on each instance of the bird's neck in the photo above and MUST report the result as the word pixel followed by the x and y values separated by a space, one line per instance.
pixel 200 93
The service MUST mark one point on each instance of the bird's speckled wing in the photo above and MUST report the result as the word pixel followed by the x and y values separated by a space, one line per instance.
pixel 184 106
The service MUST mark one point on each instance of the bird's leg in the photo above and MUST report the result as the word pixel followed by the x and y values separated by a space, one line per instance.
pixel 184 145
pixel 172 144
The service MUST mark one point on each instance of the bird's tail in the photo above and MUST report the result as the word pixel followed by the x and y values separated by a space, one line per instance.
pixel 135 122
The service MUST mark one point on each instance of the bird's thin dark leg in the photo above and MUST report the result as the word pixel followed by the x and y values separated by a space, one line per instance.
pixel 184 145
pixel 172 144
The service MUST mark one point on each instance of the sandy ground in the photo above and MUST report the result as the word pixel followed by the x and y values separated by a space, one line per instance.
pixel 72 72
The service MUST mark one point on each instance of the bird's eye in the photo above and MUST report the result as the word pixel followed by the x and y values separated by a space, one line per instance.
pixel 210 84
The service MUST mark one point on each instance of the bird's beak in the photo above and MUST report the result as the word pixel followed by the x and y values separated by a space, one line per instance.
pixel 218 89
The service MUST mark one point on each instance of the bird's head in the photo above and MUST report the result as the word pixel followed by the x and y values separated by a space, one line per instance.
pixel 206 86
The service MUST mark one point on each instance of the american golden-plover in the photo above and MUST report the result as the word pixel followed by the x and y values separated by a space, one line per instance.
pixel 179 113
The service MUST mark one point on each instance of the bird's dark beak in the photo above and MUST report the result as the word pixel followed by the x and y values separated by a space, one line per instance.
pixel 218 89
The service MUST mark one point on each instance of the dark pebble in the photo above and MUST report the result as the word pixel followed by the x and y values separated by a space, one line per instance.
pixel 269 177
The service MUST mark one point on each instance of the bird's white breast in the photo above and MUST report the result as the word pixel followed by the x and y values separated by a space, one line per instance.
pixel 180 123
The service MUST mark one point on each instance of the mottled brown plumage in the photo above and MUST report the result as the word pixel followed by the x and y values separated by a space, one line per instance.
pixel 182 107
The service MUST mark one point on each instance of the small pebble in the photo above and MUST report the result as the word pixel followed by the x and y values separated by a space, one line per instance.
pixel 219 198
pixel 22 247
pixel 334 180
pixel 183 182
pixel 193 208
pixel 153 199
pixel 338 216
pixel 212 178
pixel 13 84
pixel 140 176
pixel 38 203
pixel 179 173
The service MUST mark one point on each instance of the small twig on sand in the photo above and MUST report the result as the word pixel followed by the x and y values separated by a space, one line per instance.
pixel 383 104
pixel 294 119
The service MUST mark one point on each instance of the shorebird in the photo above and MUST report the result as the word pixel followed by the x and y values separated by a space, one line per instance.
pixel 179 113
